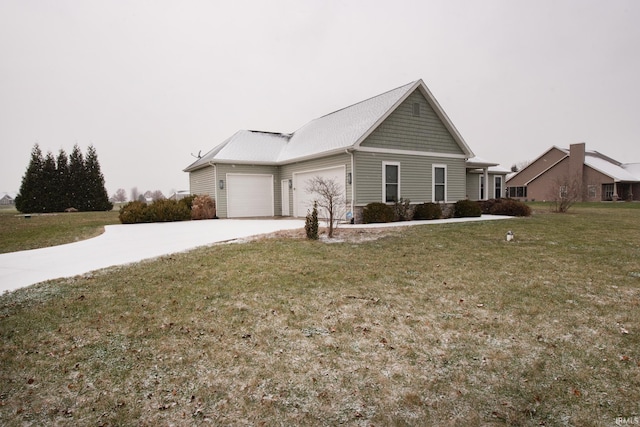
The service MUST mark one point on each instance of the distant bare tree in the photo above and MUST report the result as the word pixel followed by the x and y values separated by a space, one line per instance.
pixel 156 195
pixel 565 192
pixel 517 167
pixel 119 196
pixel 330 200
pixel 135 194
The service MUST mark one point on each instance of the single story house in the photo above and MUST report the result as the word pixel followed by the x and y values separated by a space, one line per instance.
pixel 7 199
pixel 599 177
pixel 397 145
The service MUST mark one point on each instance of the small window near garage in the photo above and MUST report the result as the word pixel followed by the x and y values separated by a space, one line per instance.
pixel 416 109
pixel 391 180
pixel 593 191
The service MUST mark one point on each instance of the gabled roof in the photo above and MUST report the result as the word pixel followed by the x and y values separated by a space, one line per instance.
pixel 335 132
pixel 606 165
pixel 610 168
pixel 633 169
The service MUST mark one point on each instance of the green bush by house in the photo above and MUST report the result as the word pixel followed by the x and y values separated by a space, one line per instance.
pixel 509 207
pixel 427 211
pixel 466 209
pixel 377 212
pixel 158 211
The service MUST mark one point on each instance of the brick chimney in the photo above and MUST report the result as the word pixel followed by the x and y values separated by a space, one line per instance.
pixel 576 162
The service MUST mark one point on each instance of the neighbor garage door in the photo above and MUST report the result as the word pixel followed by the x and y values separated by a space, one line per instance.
pixel 249 195
pixel 303 200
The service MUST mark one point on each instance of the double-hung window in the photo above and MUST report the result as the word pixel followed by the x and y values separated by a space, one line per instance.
pixel 439 173
pixel 497 186
pixel 391 182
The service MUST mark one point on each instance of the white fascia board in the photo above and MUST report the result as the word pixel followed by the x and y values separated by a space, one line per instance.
pixel 387 114
pixel 544 171
pixel 411 153
pixel 615 179
pixel 443 116
pixel 538 158
pixel 419 84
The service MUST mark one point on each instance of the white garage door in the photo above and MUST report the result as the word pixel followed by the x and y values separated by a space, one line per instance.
pixel 302 199
pixel 249 195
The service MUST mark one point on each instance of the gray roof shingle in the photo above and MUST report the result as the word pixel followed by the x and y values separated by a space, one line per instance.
pixel 334 132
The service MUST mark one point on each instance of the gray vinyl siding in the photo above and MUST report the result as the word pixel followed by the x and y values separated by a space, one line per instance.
pixel 203 181
pixel 415 177
pixel 473 186
pixel 404 131
pixel 287 171
pixel 224 169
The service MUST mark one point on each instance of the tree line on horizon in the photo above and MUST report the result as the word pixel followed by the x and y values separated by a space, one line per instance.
pixel 56 184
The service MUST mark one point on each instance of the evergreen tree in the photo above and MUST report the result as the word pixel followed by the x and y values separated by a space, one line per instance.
pixel 76 179
pixel 49 197
pixel 30 190
pixel 62 181
pixel 53 184
pixel 96 195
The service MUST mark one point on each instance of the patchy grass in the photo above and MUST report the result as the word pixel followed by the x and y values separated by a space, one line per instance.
pixel 21 233
pixel 430 325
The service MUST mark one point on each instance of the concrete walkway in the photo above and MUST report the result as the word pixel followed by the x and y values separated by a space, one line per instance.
pixel 125 244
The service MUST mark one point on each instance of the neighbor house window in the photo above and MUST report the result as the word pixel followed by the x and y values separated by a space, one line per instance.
pixel 593 191
pixel 481 187
pixel 517 191
pixel 497 186
pixel 564 192
pixel 439 183
pixel 607 189
pixel 391 182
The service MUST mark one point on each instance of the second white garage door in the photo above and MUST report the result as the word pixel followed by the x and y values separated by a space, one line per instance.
pixel 302 199
pixel 249 195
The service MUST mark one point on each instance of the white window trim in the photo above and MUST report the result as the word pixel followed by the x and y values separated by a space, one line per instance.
pixel 384 180
pixel 433 182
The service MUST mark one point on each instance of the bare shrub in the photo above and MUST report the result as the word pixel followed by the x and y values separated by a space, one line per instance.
pixel 331 200
pixel 565 192
pixel 203 207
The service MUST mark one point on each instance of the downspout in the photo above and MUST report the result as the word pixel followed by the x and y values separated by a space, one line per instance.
pixel 353 183
pixel 215 182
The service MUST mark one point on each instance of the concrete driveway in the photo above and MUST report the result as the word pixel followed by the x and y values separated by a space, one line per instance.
pixel 124 244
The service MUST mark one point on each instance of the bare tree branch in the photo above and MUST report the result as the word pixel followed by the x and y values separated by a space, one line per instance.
pixel 331 200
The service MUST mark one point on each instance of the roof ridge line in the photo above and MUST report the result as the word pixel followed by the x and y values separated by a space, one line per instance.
pixel 365 100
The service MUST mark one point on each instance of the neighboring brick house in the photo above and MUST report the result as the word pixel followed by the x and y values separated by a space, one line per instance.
pixel 397 145
pixel 601 178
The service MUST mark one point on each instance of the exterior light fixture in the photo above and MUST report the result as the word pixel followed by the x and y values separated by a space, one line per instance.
pixel 221 184
pixel 349 178
pixel 290 184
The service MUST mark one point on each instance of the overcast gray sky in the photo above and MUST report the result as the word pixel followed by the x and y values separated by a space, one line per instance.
pixel 149 82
